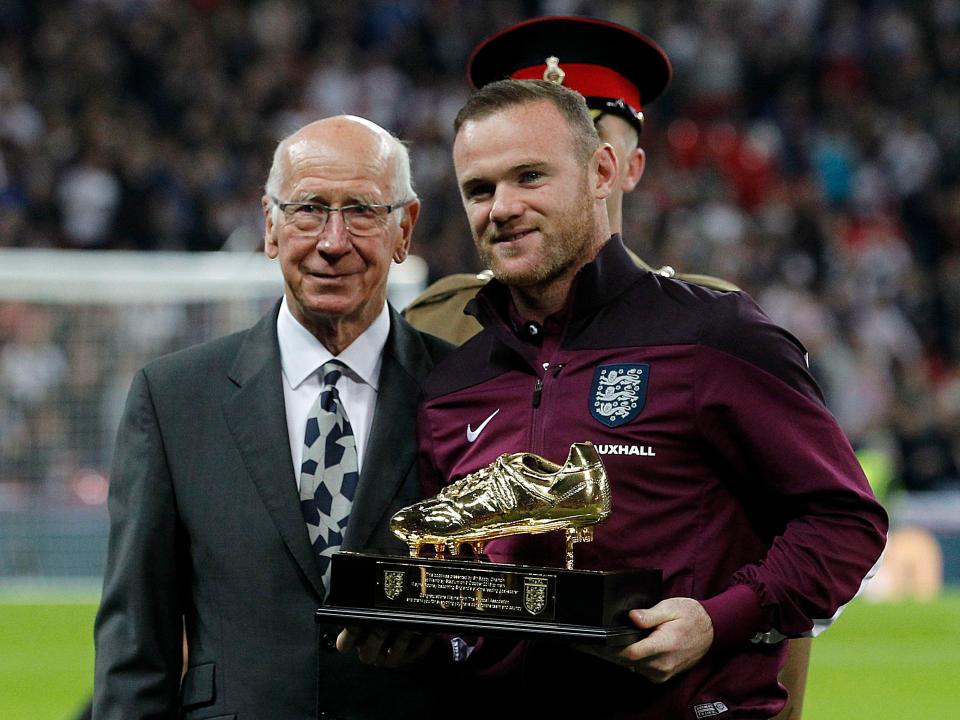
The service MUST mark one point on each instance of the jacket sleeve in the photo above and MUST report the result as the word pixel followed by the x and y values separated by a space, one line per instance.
pixel 139 624
pixel 762 414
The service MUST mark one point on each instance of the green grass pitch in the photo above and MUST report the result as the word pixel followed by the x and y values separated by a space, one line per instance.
pixel 885 661
pixel 46 658
pixel 888 661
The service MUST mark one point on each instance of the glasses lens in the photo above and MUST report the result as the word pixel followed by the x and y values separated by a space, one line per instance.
pixel 306 218
pixel 363 219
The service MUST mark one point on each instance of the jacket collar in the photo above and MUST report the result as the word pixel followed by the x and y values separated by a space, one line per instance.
pixel 610 273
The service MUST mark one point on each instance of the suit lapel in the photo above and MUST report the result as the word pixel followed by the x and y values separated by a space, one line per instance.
pixel 391 448
pixel 257 419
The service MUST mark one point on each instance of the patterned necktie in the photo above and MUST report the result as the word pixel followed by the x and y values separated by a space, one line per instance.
pixel 328 473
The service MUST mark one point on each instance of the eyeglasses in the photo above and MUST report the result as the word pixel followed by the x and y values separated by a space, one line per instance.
pixel 310 218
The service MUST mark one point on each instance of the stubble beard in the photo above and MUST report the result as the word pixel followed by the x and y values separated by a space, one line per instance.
pixel 562 250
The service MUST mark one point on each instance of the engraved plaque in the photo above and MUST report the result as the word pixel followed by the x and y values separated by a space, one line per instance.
pixel 477 591
pixel 450 595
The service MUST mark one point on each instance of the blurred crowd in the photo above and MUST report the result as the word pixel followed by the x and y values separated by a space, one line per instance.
pixel 807 150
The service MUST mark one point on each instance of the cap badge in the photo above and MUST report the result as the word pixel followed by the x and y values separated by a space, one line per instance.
pixel 554 73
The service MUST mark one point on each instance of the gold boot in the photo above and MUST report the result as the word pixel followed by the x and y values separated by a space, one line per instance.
pixel 517 493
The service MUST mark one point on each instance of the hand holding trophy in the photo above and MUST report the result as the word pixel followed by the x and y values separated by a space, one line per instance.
pixel 517 493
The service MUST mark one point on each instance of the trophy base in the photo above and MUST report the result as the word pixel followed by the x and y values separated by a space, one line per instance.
pixel 441 595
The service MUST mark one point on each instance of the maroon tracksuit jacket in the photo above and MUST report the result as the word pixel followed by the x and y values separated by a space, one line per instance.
pixel 726 471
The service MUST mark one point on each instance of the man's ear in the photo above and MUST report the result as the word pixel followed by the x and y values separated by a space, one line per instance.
pixel 408 220
pixel 636 163
pixel 270 247
pixel 605 162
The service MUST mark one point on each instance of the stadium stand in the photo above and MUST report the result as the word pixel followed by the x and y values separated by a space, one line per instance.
pixel 807 151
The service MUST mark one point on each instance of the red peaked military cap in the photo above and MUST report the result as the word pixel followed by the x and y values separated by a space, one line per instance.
pixel 616 69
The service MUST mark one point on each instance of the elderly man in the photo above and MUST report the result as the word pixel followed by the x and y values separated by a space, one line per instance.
pixel 242 464
pixel 725 468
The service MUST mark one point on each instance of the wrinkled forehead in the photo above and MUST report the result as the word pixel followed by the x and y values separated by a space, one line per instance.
pixel 350 152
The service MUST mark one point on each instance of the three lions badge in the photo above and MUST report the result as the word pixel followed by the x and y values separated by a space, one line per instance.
pixel 618 392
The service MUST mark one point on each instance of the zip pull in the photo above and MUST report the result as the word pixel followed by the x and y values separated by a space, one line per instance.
pixel 537 390
pixel 555 368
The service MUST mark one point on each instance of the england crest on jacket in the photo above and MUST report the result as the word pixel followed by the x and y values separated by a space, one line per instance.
pixel 618 392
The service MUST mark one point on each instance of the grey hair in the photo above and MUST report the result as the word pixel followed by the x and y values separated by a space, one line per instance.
pixel 402 180
pixel 402 186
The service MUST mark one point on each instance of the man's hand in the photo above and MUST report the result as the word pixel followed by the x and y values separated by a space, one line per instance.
pixel 384 648
pixel 682 633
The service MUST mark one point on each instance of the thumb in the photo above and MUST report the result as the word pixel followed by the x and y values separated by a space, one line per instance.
pixel 647 618
pixel 347 639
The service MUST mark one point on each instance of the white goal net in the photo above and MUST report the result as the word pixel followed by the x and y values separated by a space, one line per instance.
pixel 74 327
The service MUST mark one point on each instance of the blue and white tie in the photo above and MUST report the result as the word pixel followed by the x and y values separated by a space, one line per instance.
pixel 328 472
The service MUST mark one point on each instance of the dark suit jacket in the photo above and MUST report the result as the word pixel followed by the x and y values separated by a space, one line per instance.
pixel 206 529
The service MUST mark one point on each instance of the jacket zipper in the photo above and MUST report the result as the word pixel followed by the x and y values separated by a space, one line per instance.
pixel 554 370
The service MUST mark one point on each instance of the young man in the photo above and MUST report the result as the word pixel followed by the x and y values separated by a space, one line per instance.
pixel 618 71
pixel 726 469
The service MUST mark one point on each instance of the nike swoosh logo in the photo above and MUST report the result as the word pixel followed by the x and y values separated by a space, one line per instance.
pixel 474 434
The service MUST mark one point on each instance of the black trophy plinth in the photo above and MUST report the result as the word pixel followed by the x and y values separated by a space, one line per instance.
pixel 444 595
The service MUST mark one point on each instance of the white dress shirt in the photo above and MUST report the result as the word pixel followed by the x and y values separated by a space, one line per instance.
pixel 301 356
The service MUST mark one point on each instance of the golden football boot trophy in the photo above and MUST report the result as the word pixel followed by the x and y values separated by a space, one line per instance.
pixel 517 493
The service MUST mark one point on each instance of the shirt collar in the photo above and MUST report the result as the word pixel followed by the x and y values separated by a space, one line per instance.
pixel 301 353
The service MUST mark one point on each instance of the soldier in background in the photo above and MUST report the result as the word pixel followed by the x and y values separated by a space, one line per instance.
pixel 618 71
